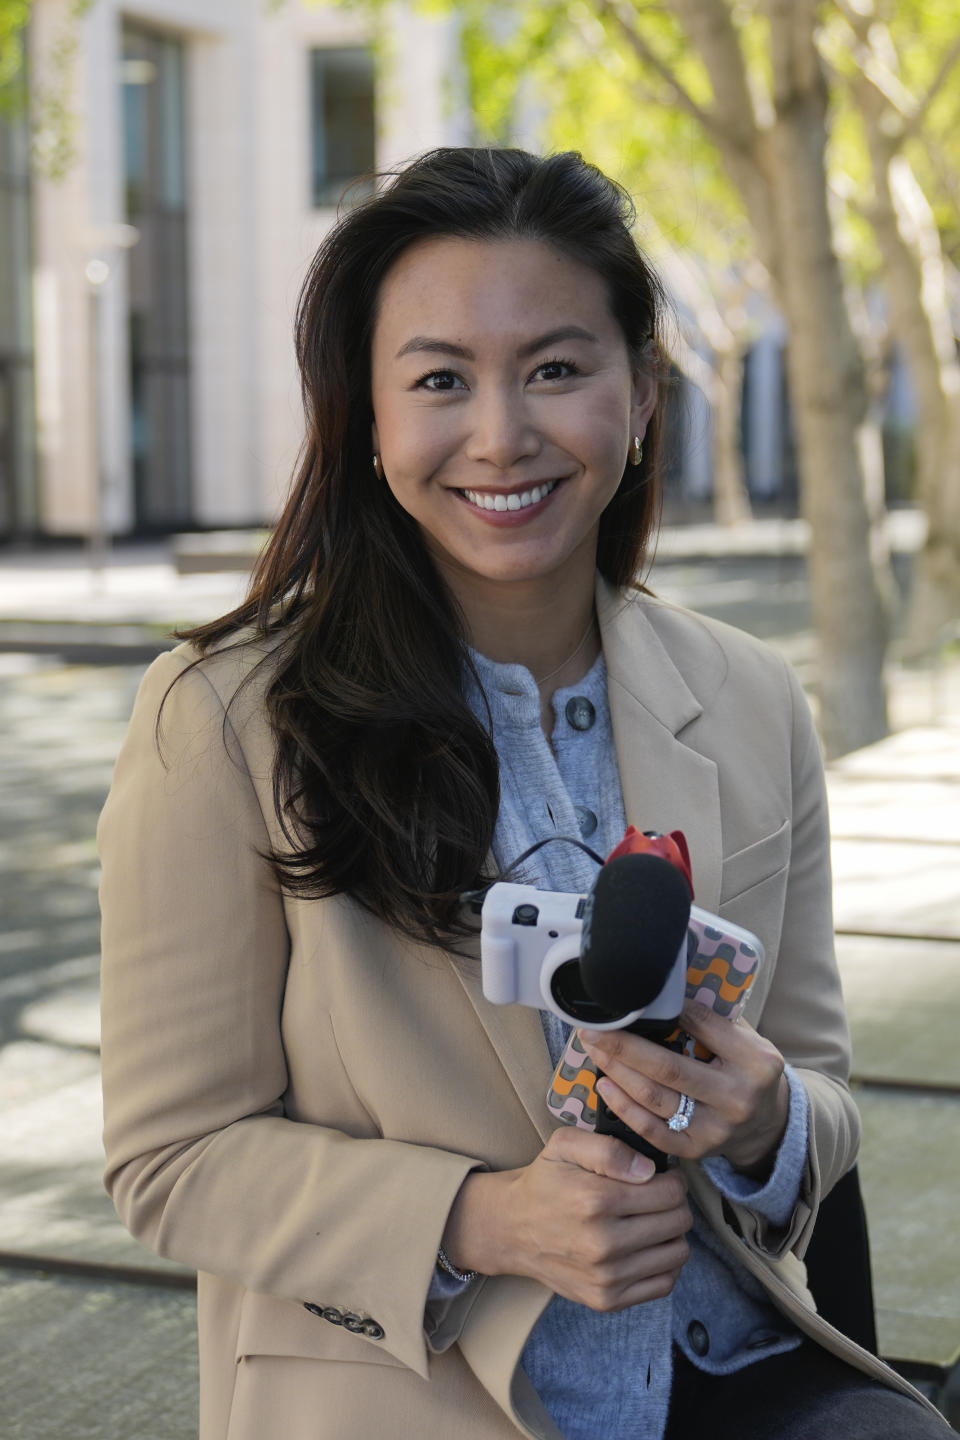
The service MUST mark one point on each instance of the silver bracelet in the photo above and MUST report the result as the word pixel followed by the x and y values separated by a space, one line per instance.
pixel 445 1263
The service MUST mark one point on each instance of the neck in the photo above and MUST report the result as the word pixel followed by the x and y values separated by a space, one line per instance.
pixel 543 624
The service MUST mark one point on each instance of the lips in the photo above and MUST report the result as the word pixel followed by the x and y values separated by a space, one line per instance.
pixel 516 500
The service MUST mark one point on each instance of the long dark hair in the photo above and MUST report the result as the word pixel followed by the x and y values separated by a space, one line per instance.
pixel 385 783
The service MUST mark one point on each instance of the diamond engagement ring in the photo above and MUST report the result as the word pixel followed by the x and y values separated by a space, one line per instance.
pixel 683 1114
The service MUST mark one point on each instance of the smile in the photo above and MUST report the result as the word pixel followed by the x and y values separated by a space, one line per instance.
pixel 517 500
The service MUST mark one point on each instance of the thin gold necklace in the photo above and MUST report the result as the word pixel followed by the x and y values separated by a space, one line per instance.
pixel 572 656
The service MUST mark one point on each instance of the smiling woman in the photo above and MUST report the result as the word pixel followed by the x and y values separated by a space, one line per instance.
pixel 508 452
pixel 447 655
pixel 508 455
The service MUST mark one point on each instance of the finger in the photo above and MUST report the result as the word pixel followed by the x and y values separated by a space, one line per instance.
pixel 658 1287
pixel 654 1287
pixel 650 1274
pixel 700 1137
pixel 644 1091
pixel 650 1231
pixel 651 1074
pixel 656 1259
pixel 600 1154
pixel 745 1065
pixel 726 1039
pixel 600 1199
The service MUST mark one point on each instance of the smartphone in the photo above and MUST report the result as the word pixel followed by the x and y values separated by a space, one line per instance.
pixel 722 963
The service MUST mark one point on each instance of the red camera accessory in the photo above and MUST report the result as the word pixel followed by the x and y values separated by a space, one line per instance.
pixel 672 847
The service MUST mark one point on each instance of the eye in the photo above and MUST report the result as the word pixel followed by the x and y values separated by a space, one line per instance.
pixel 438 381
pixel 557 369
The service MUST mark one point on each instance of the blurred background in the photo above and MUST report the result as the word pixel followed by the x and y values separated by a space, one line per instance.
pixel 167 170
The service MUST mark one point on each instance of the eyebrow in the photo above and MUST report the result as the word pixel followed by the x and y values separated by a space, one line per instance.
pixel 460 352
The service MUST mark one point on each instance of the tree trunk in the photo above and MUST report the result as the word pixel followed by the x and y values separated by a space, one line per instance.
pixel 848 565
pixel 909 242
pixel 731 501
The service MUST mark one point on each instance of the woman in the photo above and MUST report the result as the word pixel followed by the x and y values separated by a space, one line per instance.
pixel 444 654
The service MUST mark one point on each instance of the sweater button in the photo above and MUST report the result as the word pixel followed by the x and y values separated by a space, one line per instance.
pixel 699 1338
pixel 580 713
pixel 586 820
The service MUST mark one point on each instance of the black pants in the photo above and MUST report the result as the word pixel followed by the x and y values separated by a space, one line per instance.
pixel 807 1394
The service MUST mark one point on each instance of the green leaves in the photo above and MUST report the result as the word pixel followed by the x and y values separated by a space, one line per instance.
pixel 14 17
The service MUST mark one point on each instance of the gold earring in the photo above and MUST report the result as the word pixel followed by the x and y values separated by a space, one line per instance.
pixel 377 466
pixel 636 451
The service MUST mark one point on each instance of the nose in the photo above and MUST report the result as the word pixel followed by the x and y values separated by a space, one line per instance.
pixel 502 430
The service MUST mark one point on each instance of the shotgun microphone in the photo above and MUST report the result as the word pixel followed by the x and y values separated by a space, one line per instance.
pixel 634 927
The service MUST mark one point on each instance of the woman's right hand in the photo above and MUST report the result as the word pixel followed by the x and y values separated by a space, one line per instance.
pixel 588 1218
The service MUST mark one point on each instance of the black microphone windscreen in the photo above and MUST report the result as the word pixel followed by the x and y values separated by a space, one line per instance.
pixel 634 922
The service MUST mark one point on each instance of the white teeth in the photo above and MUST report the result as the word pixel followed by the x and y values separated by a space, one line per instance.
pixel 513 501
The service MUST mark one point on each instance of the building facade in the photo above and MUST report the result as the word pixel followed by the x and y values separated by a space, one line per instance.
pixel 212 141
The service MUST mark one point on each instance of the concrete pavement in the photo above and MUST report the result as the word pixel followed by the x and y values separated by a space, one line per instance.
pixel 94 1359
pixel 897 860
pixel 895 820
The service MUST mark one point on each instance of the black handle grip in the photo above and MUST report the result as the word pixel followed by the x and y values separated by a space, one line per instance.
pixel 610 1124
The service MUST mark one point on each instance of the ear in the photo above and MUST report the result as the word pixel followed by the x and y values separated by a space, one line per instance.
pixel 375 438
pixel 645 390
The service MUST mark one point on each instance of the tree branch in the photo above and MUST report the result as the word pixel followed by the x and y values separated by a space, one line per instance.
pixel 885 81
pixel 610 11
pixel 709 25
pixel 791 46
pixel 858 21
pixel 922 106
pixel 734 128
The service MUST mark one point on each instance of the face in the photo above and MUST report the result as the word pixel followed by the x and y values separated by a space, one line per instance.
pixel 504 405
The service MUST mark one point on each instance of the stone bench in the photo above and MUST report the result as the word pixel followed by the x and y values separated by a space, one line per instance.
pixel 895 811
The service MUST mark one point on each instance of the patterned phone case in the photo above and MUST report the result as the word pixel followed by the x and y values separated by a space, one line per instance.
pixel 721 966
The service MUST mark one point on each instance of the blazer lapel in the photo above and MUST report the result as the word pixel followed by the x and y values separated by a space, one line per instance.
pixel 516 1034
pixel 666 786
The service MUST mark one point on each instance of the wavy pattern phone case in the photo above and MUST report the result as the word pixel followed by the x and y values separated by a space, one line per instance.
pixel 721 966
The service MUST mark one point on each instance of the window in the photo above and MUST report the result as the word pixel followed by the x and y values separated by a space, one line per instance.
pixel 18 500
pixel 154 150
pixel 342 118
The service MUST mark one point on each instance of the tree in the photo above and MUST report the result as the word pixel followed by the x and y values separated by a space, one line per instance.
pixel 768 121
pixel 897 113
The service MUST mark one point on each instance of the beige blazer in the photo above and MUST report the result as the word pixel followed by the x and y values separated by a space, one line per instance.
pixel 293 1094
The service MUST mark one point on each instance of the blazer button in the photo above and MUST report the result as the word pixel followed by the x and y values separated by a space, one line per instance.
pixel 699 1337
pixel 335 1317
pixel 314 1309
pixel 372 1330
pixel 353 1323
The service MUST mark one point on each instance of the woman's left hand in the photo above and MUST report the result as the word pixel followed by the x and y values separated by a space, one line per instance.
pixel 741 1097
